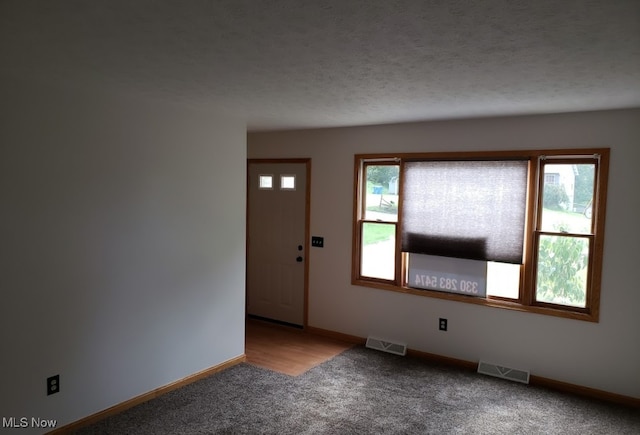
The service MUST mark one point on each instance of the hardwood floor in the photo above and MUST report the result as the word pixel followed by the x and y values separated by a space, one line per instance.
pixel 286 349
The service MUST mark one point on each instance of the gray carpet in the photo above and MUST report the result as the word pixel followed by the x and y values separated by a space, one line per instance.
pixel 362 391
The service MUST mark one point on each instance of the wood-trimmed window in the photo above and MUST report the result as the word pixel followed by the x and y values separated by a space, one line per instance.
pixel 520 230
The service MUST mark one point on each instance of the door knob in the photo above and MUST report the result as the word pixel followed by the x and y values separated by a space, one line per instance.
pixel 299 259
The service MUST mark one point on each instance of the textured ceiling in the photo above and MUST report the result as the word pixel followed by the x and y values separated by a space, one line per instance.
pixel 316 63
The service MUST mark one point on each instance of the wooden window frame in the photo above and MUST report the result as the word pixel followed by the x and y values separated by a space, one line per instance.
pixel 526 301
pixel 359 218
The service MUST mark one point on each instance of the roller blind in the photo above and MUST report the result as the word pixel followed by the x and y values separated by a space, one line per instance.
pixel 465 209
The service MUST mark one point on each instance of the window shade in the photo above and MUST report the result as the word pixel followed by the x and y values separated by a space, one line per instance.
pixel 465 209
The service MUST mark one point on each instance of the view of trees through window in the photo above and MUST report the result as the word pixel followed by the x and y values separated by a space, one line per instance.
pixel 562 258
pixel 558 270
pixel 566 222
pixel 381 214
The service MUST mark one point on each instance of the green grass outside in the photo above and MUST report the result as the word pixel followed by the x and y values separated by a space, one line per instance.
pixel 392 209
pixel 572 222
pixel 374 233
pixel 380 232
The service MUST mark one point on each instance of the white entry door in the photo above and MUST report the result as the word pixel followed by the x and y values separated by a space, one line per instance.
pixel 276 252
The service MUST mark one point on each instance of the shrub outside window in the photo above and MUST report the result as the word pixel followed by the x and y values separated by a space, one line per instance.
pixel 520 230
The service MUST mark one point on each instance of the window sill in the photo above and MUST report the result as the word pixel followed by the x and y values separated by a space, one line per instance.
pixel 489 302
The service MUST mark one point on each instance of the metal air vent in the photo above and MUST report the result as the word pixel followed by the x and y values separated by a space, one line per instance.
pixel 386 346
pixel 503 372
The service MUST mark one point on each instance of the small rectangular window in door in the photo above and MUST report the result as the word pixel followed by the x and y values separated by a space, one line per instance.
pixel 266 181
pixel 287 182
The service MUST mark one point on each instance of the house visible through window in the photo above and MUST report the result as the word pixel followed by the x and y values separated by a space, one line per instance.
pixel 565 234
pixel 516 229
pixel 551 178
pixel 379 224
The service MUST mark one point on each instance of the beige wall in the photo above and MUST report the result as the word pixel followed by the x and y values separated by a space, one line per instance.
pixel 604 355
pixel 122 248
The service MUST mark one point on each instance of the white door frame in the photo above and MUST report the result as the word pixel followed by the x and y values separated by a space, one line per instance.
pixel 307 214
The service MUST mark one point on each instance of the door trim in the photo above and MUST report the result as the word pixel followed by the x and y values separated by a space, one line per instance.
pixel 307 234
